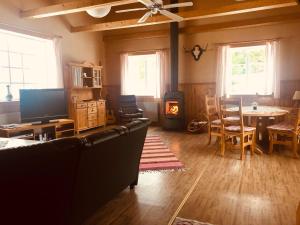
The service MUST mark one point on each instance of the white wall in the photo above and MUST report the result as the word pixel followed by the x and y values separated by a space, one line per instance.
pixel 204 70
pixel 77 47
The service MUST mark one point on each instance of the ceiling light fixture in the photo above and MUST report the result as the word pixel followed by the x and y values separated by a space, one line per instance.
pixel 99 12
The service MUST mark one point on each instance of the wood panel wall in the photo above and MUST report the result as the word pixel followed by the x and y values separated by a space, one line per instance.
pixel 195 94
pixel 194 97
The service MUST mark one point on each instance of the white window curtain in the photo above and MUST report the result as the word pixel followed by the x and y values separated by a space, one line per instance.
pixel 54 74
pixel 165 78
pixel 57 42
pixel 273 68
pixel 223 69
pixel 124 71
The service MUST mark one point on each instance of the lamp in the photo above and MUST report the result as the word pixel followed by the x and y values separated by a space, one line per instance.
pixel 296 98
pixel 99 12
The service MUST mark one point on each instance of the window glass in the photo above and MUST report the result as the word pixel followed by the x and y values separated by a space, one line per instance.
pixel 248 70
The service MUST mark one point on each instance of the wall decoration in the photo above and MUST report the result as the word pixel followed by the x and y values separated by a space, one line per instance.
pixel 197 51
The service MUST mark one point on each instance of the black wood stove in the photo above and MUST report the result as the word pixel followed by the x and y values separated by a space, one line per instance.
pixel 174 116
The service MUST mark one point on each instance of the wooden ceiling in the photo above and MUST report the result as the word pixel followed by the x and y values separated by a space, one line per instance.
pixel 202 9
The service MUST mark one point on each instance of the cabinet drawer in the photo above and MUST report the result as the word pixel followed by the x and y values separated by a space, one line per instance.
pixel 92 123
pixel 101 103
pixel 92 116
pixel 92 110
pixel 92 104
pixel 81 105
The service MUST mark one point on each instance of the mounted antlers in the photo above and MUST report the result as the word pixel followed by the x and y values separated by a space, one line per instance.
pixel 197 51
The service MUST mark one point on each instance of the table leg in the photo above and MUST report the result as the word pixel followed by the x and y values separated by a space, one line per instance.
pixel 254 123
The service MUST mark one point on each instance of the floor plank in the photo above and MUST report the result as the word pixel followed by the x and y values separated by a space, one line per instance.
pixel 261 190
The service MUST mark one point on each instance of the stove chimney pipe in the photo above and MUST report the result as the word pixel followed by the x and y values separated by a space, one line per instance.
pixel 174 43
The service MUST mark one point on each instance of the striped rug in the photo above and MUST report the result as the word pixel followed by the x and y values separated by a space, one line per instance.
pixel 157 156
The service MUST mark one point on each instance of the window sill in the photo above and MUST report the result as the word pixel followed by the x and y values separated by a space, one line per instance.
pixel 7 102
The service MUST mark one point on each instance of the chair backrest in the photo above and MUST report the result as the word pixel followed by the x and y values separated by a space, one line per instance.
pixel 294 118
pixel 267 100
pixel 231 107
pixel 211 107
pixel 128 103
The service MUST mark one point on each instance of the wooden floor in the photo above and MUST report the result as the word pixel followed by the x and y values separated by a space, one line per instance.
pixel 261 190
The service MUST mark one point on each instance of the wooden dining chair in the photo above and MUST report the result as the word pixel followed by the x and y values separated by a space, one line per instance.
pixel 212 115
pixel 234 128
pixel 286 133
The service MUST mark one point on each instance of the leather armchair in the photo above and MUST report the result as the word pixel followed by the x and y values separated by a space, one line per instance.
pixel 129 110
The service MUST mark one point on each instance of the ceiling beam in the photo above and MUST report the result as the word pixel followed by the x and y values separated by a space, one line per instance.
pixel 237 8
pixel 71 7
pixel 264 21
pixel 138 35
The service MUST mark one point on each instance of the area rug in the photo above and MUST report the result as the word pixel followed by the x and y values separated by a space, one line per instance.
pixel 180 221
pixel 156 156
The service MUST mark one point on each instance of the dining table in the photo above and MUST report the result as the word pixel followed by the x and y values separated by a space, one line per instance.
pixel 261 117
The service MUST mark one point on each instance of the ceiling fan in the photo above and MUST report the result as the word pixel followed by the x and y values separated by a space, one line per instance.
pixel 157 6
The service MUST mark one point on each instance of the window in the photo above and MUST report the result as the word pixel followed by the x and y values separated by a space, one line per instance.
pixel 141 74
pixel 26 62
pixel 248 70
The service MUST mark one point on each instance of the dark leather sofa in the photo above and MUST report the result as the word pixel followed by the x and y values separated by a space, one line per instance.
pixel 66 181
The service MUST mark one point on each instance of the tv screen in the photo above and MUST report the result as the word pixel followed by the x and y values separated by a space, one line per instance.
pixel 42 105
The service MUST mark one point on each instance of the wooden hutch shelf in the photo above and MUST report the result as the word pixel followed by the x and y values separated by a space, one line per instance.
pixel 84 86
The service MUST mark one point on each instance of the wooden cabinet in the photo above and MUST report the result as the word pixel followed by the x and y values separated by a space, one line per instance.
pixel 89 114
pixel 84 86
pixel 101 116
pixel 81 119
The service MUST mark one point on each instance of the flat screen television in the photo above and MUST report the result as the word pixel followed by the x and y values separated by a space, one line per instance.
pixel 43 105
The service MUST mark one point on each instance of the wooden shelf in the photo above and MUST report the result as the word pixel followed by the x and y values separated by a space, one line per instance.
pixel 32 131
pixel 84 87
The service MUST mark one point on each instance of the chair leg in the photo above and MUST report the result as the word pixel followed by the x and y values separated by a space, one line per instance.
pixel 271 138
pixel 209 134
pixel 253 145
pixel 222 145
pixel 295 146
pixel 242 157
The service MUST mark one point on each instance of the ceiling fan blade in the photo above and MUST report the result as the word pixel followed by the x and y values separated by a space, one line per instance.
pixel 145 17
pixel 131 10
pixel 160 2
pixel 177 5
pixel 171 15
pixel 146 2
